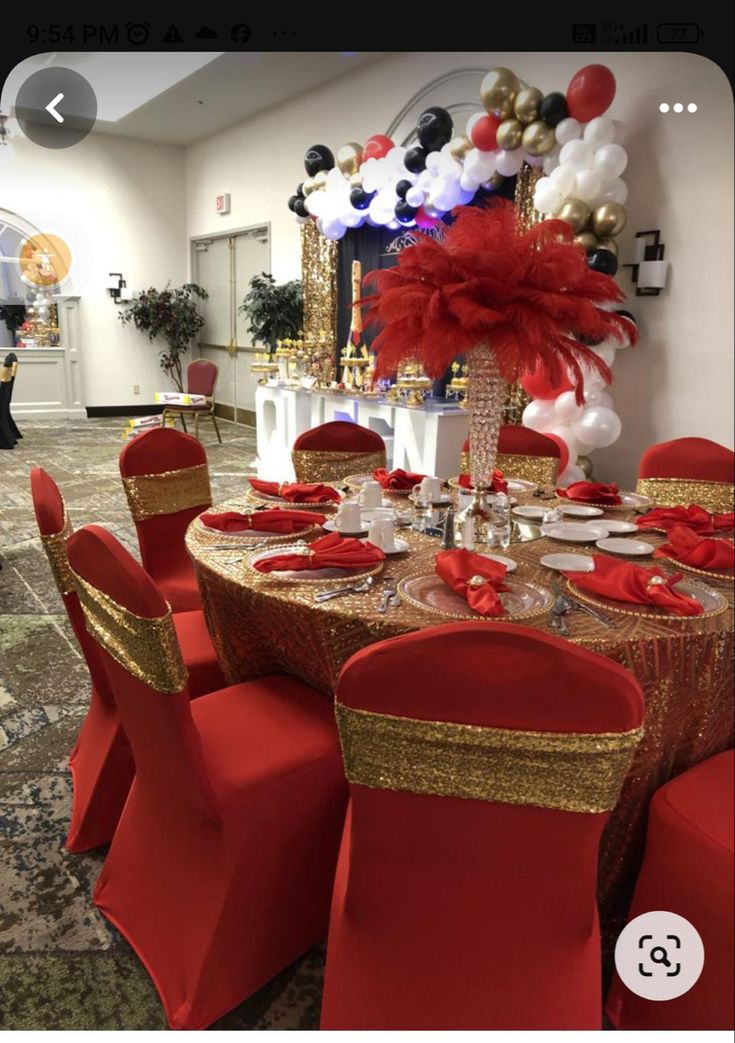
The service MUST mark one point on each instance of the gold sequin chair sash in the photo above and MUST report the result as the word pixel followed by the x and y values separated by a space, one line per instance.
pixel 147 648
pixel 717 497
pixel 7 373
pixel 169 492
pixel 543 470
pixel 55 548
pixel 566 771
pixel 332 465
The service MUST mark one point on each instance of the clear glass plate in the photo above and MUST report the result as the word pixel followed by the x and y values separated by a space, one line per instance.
pixel 522 601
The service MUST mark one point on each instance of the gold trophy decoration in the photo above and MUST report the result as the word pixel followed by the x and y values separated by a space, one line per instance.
pixel 355 357
pixel 458 387
pixel 412 385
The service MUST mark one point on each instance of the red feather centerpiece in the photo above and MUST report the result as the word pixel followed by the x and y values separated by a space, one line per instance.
pixel 505 297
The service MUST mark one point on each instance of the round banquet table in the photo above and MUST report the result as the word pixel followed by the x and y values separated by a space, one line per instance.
pixel 261 624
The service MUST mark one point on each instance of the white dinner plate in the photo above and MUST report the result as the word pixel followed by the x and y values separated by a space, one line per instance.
pixel 521 485
pixel 575 532
pixel 531 513
pixel 618 528
pixel 581 510
pixel 628 548
pixel 569 562
pixel 510 565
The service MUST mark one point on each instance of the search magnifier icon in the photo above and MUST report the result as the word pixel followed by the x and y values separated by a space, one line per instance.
pixel 659 955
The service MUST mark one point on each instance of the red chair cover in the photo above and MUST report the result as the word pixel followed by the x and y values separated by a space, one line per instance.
pixel 340 435
pixel 522 441
pixel 201 377
pixel 454 913
pixel 688 869
pixel 101 764
pixel 697 458
pixel 161 538
pixel 220 869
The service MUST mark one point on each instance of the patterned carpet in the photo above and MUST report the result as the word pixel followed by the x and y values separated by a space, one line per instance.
pixel 61 965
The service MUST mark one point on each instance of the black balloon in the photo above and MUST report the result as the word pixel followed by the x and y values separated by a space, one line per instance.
pixel 603 261
pixel 292 203
pixel 415 160
pixel 317 158
pixel 553 109
pixel 402 187
pixel 300 189
pixel 360 199
pixel 405 212
pixel 434 128
pixel 299 207
pixel 626 315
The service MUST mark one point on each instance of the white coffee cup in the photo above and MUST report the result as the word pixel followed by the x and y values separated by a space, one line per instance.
pixel 371 494
pixel 382 534
pixel 431 489
pixel 348 517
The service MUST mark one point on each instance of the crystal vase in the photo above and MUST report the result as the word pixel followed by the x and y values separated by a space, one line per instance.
pixel 486 400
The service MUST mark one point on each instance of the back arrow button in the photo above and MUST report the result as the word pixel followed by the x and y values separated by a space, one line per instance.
pixel 51 108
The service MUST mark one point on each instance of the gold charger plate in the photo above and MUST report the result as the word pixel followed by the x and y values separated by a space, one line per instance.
pixel 356 481
pixel 328 577
pixel 630 502
pixel 208 538
pixel 278 501
pixel 523 600
pixel 722 575
pixel 712 601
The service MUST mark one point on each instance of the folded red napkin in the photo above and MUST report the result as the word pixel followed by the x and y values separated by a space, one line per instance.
pixel 328 552
pixel 398 479
pixel 296 492
pixel 701 552
pixel 694 517
pixel 473 577
pixel 497 485
pixel 591 492
pixel 277 520
pixel 623 581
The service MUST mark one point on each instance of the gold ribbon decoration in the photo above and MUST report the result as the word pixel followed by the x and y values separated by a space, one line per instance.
pixel 717 497
pixel 566 771
pixel 55 547
pixel 7 373
pixel 146 647
pixel 543 470
pixel 329 465
pixel 168 492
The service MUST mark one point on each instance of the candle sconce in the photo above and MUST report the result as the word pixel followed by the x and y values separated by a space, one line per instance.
pixel 649 271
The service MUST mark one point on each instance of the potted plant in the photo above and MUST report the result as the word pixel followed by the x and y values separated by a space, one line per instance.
pixel 274 312
pixel 172 315
pixel 13 315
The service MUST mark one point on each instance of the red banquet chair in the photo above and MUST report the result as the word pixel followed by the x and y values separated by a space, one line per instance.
pixel 688 869
pixel 688 470
pixel 101 763
pixel 331 451
pixel 221 867
pixel 166 481
pixel 523 453
pixel 465 888
pixel 201 379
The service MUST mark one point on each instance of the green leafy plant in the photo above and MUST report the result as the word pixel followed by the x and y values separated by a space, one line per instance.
pixel 13 315
pixel 172 315
pixel 274 312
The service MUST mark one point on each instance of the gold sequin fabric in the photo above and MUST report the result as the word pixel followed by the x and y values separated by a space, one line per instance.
pixel 169 492
pixel 319 281
pixel 717 497
pixel 331 465
pixel 542 470
pixel 55 548
pixel 146 648
pixel 565 771
pixel 8 372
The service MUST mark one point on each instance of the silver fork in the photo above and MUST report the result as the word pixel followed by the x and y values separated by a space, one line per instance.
pixel 356 588
pixel 572 603
pixel 388 594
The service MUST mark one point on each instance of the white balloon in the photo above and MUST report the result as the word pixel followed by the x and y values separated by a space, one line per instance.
pixel 353 219
pixel 414 196
pixel 598 397
pixel 606 352
pixel 566 434
pixel 551 161
pixel 567 130
pixel 610 161
pixel 577 155
pixel 509 163
pixel 425 179
pixel 547 198
pixel 533 161
pixel 432 162
pixel 334 229
pixel 301 220
pixel 563 178
pixel 448 165
pixel 466 196
pixel 615 191
pixel 315 203
pixel 599 131
pixel 587 186
pixel 571 473
pixel 539 414
pixel 396 155
pixel 567 408
pixel 466 183
pixel 472 121
pixel 598 427
pixel 479 165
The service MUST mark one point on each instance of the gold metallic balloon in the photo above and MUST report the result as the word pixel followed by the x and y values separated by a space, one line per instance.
pixel 498 91
pixel 587 240
pixel 608 244
pixel 608 220
pixel 460 146
pixel 349 158
pixel 575 213
pixel 538 138
pixel 526 104
pixel 356 180
pixel 496 180
pixel 586 464
pixel 308 186
pixel 320 179
pixel 509 135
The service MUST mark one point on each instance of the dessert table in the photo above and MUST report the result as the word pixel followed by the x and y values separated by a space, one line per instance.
pixel 263 624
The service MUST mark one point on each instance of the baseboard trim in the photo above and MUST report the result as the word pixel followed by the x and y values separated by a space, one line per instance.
pixel 150 410
pixel 244 416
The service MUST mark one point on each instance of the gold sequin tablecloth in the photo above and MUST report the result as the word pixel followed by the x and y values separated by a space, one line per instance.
pixel 261 625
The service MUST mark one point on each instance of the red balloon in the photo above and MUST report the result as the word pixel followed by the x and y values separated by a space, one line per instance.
pixel 563 450
pixel 536 384
pixel 376 147
pixel 590 92
pixel 484 133
pixel 423 220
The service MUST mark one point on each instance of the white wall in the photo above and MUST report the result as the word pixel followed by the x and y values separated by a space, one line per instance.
pixel 678 380
pixel 121 206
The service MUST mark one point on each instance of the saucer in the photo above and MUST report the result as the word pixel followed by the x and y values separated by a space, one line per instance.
pixel 569 562
pixel 399 547
pixel 510 565
pixel 628 548
pixel 579 532
pixel 331 527
pixel 618 528
pixel 581 510
pixel 531 513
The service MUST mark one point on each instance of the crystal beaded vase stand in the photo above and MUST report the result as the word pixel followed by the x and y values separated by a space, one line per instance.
pixel 487 397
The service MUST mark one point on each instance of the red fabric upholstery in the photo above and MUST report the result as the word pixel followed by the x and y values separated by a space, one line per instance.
pixel 161 539
pixel 688 869
pixel 340 435
pixel 220 870
pixel 688 458
pixel 524 442
pixel 467 914
pixel 201 377
pixel 101 763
